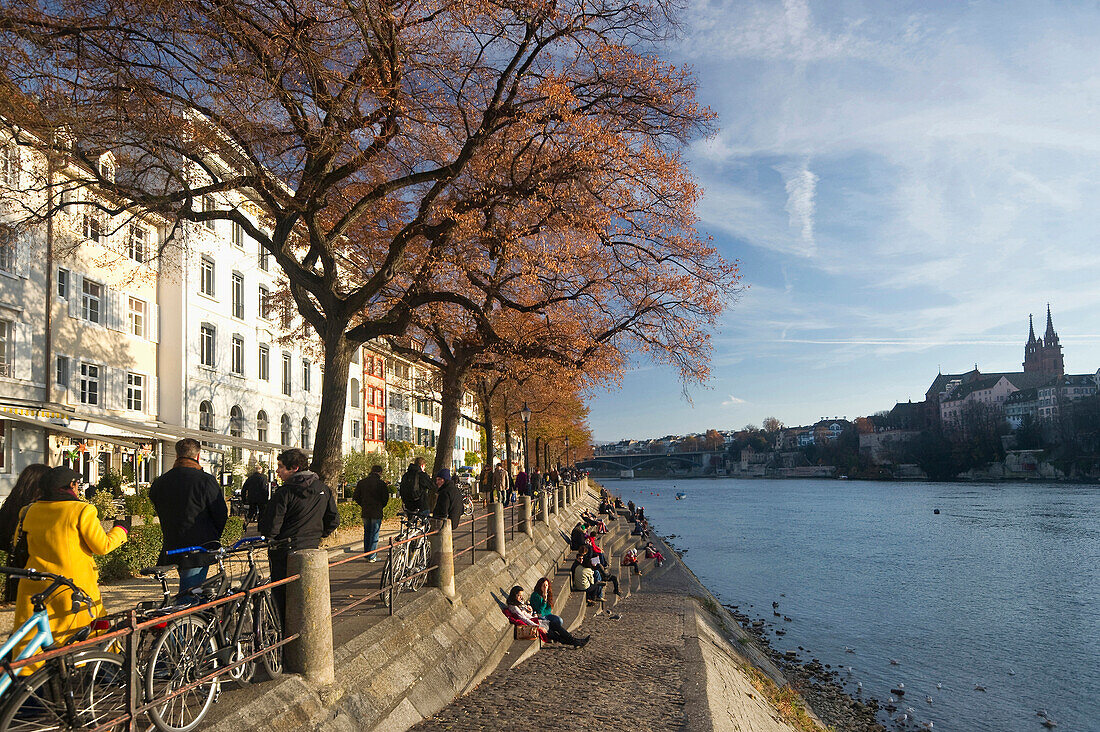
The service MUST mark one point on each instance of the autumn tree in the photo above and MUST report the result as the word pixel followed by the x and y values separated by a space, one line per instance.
pixel 713 440
pixel 363 137
pixel 772 425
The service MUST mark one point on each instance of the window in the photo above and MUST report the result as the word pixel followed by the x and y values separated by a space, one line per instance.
pixel 238 295
pixel 264 259
pixel 206 277
pixel 261 426
pixel 135 392
pixel 206 345
pixel 92 226
pixel 355 429
pixel 284 431
pixel 355 355
pixel 10 165
pixel 206 416
pixel 305 433
pixel 89 384
pixel 238 235
pixel 91 302
pixel 135 317
pixel 305 375
pixel 107 168
pixel 209 205
pixel 135 245
pixel 63 283
pixel 263 370
pixel 354 395
pixel 236 429
pixel 238 355
pixel 370 397
pixel 6 333
pixel 265 303
pixel 286 374
pixel 63 372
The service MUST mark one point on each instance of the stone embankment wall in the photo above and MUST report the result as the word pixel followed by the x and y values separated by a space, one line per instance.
pixel 409 666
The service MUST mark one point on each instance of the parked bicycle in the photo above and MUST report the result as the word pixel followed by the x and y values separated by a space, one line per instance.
pixel 82 690
pixel 191 655
pixel 408 565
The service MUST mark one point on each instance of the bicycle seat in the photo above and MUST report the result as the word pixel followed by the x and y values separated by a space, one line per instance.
pixel 162 569
pixel 80 635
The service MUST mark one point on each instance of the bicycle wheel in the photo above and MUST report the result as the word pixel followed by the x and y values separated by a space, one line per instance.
pixel 467 506
pixel 392 574
pixel 97 680
pixel 184 653
pixel 418 566
pixel 245 646
pixel 269 631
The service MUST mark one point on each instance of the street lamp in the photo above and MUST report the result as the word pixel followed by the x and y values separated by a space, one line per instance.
pixel 526 414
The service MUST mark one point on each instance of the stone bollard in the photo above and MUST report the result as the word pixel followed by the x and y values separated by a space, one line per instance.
pixel 557 505
pixel 309 613
pixel 498 530
pixel 565 495
pixel 443 556
pixel 544 508
pixel 528 518
pixel 561 496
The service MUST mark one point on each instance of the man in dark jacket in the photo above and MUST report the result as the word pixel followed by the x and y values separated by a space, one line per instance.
pixel 192 511
pixel 372 494
pixel 300 514
pixel 256 493
pixel 415 486
pixel 448 504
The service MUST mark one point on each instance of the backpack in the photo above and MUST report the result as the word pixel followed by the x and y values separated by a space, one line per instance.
pixel 412 493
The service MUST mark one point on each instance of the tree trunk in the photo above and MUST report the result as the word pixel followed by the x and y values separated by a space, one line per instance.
pixel 451 396
pixel 508 449
pixel 487 424
pixel 538 452
pixel 328 441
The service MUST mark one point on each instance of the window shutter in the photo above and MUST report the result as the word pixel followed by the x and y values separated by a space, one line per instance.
pixel 23 367
pixel 116 388
pixel 23 255
pixel 116 302
pixel 76 290
pixel 152 323
pixel 151 406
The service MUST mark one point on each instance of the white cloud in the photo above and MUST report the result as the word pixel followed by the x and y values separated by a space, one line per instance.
pixel 801 184
pixel 731 401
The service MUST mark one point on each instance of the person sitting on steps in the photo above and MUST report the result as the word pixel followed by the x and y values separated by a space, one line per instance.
pixel 519 608
pixel 630 559
pixel 584 580
pixel 603 574
pixel 651 552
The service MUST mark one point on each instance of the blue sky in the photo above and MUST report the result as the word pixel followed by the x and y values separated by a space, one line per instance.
pixel 903 184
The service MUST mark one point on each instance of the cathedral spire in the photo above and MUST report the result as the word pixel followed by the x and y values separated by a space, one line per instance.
pixel 1030 329
pixel 1050 335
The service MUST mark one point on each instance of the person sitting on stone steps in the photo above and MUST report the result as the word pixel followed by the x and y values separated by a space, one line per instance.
pixel 519 608
pixel 630 559
pixel 603 574
pixel 651 552
pixel 584 580
pixel 542 601
pixel 578 538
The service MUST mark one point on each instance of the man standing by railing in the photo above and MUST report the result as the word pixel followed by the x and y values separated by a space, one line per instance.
pixel 300 514
pixel 415 486
pixel 192 511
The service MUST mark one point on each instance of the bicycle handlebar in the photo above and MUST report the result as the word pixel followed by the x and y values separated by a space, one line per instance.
pixel 56 582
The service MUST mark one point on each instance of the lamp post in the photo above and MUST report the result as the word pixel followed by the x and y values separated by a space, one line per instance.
pixel 526 414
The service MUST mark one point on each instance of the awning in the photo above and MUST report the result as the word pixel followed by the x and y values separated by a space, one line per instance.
pixel 6 414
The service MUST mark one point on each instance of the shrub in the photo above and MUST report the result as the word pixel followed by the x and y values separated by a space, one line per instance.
pixel 139 552
pixel 110 483
pixel 105 506
pixel 139 505
pixel 350 515
pixel 234 529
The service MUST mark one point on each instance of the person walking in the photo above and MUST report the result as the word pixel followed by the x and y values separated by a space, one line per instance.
pixel 300 514
pixel 28 489
pixel 372 493
pixel 64 536
pixel 414 488
pixel 448 503
pixel 192 511
pixel 521 483
pixel 500 483
pixel 257 492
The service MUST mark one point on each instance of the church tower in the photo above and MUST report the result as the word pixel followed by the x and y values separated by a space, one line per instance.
pixel 1043 355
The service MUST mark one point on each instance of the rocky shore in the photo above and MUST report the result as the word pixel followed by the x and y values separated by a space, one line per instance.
pixel 820 685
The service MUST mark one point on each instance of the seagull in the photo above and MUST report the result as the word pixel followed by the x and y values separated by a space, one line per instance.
pixel 775 605
pixel 859 686
pixel 849 650
pixel 927 725
pixel 928 699
pixel 786 617
pixel 1011 672
pixel 1049 723
pixel 979 687
pixel 939 686
pixel 1040 712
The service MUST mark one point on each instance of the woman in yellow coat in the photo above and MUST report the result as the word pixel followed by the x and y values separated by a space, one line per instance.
pixel 63 533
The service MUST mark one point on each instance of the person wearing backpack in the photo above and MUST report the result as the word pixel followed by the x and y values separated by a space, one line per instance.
pixel 414 488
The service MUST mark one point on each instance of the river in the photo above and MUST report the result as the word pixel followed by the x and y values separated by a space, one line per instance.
pixel 1001 589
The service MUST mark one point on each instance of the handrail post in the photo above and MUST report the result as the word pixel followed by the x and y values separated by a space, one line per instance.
pixel 528 522
pixel 498 530
pixel 557 506
pixel 309 613
pixel 544 507
pixel 443 557
pixel 132 682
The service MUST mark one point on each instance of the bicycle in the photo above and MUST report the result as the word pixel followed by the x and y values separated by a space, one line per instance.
pixel 467 502
pixel 408 564
pixel 83 690
pixel 191 649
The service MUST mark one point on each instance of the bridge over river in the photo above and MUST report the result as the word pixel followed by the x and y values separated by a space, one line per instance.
pixel 692 461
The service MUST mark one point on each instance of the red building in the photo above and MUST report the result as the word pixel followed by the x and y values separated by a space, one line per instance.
pixel 374 401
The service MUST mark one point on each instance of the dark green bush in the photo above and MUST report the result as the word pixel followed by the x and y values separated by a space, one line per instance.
pixel 111 483
pixel 140 551
pixel 139 505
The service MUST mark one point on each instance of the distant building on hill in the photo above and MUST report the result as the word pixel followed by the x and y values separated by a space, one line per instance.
pixel 1043 355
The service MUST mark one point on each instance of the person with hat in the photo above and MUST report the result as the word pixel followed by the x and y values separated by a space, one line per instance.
pixel 448 502
pixel 63 536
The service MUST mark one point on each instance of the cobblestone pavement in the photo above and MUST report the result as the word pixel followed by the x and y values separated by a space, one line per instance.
pixel 628 677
